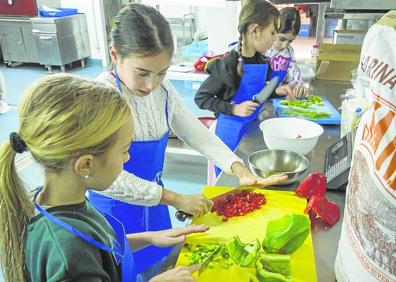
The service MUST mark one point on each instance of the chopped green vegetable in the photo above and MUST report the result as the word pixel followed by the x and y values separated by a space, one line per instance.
pixel 201 252
pixel 311 100
pixel 308 113
pixel 273 268
pixel 286 234
pixel 242 254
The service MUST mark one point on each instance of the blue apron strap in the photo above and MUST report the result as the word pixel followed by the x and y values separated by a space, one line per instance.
pixel 118 81
pixel 166 107
pixel 118 255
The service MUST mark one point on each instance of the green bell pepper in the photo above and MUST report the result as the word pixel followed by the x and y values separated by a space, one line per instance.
pixel 241 253
pixel 273 268
pixel 286 234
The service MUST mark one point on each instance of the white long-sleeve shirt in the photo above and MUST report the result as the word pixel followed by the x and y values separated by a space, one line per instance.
pixel 278 61
pixel 150 124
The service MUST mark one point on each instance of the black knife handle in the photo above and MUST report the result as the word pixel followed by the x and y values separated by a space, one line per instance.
pixel 182 216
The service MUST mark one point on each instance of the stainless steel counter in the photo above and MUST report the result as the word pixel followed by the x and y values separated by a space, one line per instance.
pixel 325 240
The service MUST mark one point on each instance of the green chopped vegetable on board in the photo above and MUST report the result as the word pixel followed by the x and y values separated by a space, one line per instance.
pixel 241 253
pixel 311 100
pixel 308 113
pixel 273 268
pixel 200 252
pixel 286 234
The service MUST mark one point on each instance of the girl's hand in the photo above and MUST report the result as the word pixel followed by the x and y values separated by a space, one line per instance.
pixel 244 109
pixel 284 90
pixel 177 274
pixel 171 237
pixel 300 91
pixel 248 178
pixel 196 205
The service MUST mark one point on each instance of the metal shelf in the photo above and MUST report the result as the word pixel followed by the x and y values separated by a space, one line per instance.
pixel 351 15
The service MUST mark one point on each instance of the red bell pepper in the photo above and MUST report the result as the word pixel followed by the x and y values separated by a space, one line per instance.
pixel 325 209
pixel 314 185
pixel 200 64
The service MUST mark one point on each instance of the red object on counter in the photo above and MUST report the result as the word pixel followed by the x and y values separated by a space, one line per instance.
pixel 238 204
pixel 18 8
pixel 314 185
pixel 200 64
pixel 328 211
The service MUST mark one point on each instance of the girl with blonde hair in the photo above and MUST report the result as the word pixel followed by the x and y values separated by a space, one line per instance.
pixel 80 132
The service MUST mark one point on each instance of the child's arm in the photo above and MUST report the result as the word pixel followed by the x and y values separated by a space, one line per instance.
pixel 293 76
pixel 208 96
pixel 164 238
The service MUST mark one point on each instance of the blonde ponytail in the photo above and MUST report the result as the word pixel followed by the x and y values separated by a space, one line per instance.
pixel 15 210
pixel 61 117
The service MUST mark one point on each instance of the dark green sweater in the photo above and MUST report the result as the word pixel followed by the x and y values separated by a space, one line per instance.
pixel 55 254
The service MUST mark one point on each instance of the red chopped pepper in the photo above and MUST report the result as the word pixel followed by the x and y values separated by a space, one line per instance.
pixel 238 204
pixel 325 209
pixel 314 185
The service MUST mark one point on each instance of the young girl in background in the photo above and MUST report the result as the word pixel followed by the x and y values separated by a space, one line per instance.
pixel 234 79
pixel 80 132
pixel 281 54
pixel 141 51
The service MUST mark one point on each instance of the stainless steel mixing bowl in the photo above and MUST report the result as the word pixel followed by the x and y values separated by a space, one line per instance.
pixel 269 162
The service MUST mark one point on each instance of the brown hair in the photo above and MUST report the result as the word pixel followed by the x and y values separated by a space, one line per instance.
pixel 259 12
pixel 290 20
pixel 141 29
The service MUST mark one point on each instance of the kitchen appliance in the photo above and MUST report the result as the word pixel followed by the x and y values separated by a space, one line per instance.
pixel 338 162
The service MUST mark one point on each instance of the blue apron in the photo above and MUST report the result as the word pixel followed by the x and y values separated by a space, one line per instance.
pixel 231 129
pixel 147 161
pixel 120 249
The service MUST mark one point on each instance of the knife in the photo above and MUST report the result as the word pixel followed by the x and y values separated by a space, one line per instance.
pixel 182 216
pixel 263 95
pixel 206 262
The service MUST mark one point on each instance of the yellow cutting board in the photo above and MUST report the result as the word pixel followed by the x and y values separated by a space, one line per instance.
pixel 249 227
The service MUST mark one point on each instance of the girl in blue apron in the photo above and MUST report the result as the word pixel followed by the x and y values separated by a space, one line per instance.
pixel 236 78
pixel 141 51
pixel 55 234
pixel 281 54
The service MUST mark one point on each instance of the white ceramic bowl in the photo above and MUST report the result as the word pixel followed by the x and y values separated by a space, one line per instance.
pixel 294 134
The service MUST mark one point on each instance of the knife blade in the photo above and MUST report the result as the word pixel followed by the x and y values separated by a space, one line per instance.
pixel 206 262
pixel 182 216
pixel 263 95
